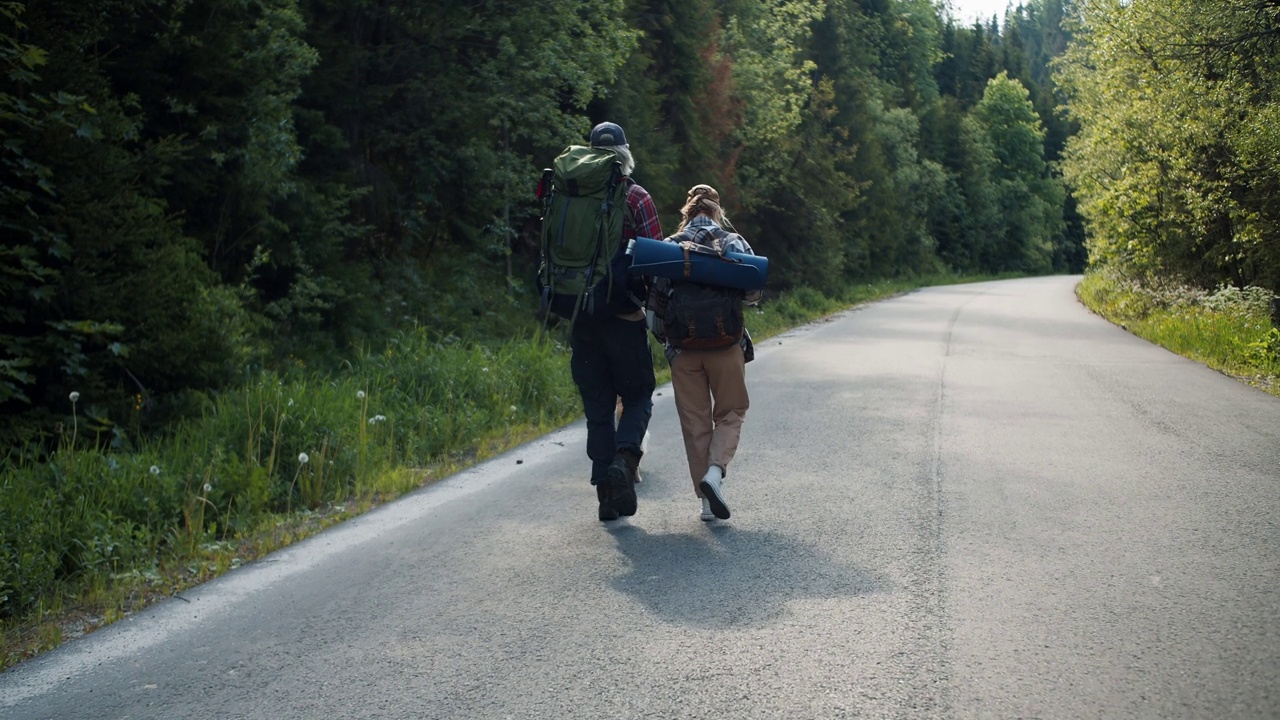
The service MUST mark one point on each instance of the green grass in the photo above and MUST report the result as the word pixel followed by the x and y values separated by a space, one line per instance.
pixel 1228 330
pixel 94 532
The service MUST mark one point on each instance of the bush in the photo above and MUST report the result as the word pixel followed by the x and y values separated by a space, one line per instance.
pixel 284 441
pixel 1228 329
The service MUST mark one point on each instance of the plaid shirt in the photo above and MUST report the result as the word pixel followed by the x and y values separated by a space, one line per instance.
pixel 736 243
pixel 641 219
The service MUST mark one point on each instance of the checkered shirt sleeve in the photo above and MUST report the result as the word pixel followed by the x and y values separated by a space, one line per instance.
pixel 642 218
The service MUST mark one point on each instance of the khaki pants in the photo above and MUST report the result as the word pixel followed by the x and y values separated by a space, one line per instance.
pixel 711 400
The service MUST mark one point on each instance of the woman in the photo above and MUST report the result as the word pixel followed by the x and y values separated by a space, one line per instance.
pixel 710 385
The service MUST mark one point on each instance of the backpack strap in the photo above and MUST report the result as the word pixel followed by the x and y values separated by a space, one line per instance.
pixel 702 233
pixel 629 215
pixel 588 300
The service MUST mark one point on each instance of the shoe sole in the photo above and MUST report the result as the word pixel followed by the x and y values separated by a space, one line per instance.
pixel 718 507
pixel 624 492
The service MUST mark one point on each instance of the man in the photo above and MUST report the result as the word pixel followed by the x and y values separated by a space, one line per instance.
pixel 611 358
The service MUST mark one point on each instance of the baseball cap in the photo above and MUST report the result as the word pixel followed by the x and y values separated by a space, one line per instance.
pixel 607 134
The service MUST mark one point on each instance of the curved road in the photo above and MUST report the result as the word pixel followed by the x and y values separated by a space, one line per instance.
pixel 977 501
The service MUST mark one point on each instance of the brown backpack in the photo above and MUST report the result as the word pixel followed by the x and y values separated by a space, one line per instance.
pixel 692 316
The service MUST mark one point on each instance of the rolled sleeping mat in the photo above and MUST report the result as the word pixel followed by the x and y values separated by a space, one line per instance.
pixel 697 264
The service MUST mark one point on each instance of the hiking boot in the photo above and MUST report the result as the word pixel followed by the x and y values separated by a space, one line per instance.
pixel 712 487
pixel 622 481
pixel 707 515
pixel 607 510
pixel 644 447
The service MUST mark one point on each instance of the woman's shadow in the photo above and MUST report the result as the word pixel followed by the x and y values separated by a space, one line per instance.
pixel 722 576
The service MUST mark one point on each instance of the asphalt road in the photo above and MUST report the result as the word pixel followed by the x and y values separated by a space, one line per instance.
pixel 976 501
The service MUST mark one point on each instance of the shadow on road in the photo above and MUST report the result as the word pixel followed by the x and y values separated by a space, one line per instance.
pixel 723 576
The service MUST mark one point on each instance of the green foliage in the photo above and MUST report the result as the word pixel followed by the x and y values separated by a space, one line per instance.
pixel 80 513
pixel 301 439
pixel 438 105
pixel 1173 167
pixel 795 188
pixel 237 184
pixel 965 220
pixel 682 76
pixel 1227 329
pixel 1029 199
pixel 112 299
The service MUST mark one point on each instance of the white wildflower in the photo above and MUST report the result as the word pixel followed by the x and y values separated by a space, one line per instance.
pixel 155 469
pixel 377 419
pixel 302 458
pixel 75 396
pixel 207 487
pixel 359 394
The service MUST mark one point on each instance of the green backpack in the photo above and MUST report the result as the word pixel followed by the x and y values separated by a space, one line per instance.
pixel 583 205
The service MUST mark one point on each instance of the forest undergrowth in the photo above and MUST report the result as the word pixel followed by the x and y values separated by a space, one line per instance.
pixel 1229 329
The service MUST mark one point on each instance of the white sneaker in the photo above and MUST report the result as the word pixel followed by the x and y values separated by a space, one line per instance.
pixel 707 515
pixel 712 489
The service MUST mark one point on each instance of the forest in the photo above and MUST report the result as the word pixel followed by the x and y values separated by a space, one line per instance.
pixel 193 188
pixel 218 204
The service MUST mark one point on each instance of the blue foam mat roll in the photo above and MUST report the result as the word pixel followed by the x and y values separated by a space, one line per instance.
pixel 664 259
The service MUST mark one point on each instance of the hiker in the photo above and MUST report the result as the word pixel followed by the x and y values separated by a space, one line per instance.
pixel 590 287
pixel 710 385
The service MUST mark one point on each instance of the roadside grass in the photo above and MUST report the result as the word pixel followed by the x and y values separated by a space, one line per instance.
pixel 92 533
pixel 1228 330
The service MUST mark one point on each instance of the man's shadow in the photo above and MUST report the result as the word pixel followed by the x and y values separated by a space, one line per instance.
pixel 722 576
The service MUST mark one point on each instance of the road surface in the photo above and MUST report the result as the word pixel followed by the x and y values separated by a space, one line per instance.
pixel 977 501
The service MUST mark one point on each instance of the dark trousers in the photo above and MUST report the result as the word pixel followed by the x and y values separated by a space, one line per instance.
pixel 611 360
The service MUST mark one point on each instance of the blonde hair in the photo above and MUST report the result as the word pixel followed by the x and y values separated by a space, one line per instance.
pixel 703 200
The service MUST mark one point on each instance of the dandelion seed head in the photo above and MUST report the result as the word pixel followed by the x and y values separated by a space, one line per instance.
pixel 207 487
pixel 359 394
pixel 155 469
pixel 302 458
pixel 75 396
